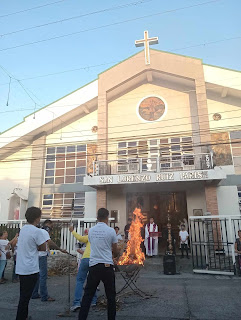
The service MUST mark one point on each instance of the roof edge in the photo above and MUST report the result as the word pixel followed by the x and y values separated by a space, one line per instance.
pixel 68 94
pixel 119 62
pixel 177 54
pixel 47 106
pixel 212 65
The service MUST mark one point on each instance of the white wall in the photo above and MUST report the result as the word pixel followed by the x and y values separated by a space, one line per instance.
pixel 223 77
pixel 14 174
pixel 116 200
pixel 196 200
pixel 228 200
pixel 230 114
pixel 79 130
pixel 51 112
pixel 90 204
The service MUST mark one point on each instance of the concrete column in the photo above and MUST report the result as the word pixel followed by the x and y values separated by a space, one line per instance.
pixel 101 200
pixel 203 119
pixel 211 199
pixel 213 227
pixel 102 126
pixel 37 171
pixel 196 138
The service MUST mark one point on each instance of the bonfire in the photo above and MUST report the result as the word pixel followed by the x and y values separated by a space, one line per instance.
pixel 133 253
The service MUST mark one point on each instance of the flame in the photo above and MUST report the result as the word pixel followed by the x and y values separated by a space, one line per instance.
pixel 133 253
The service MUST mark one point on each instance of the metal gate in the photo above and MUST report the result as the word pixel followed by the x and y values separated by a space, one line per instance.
pixel 60 235
pixel 212 241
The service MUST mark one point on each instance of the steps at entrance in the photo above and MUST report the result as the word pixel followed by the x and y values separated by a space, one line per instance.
pixel 156 264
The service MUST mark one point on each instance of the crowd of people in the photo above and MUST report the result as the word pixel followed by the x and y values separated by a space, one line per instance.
pixel 31 248
pixel 97 252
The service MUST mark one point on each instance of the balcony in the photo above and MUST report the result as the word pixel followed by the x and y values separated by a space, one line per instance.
pixel 186 162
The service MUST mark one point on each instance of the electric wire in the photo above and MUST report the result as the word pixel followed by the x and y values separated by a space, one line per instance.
pixel 189 117
pixel 136 3
pixel 118 23
pixel 119 99
pixel 29 9
pixel 198 133
pixel 97 154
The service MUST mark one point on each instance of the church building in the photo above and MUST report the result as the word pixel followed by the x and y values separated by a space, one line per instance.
pixel 159 131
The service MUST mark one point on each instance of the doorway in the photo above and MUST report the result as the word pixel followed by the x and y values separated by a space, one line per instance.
pixel 159 206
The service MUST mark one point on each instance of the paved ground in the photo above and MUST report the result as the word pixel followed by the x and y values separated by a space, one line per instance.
pixel 183 296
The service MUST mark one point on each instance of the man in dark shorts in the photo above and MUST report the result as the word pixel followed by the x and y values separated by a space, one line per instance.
pixel 103 241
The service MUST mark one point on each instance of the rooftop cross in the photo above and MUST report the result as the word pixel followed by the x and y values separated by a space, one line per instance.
pixel 146 42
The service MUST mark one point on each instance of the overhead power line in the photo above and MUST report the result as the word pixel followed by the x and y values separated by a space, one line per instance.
pixel 208 144
pixel 33 108
pixel 29 9
pixel 123 6
pixel 186 106
pixel 130 96
pixel 110 24
pixel 155 125
pixel 145 136
pixel 107 63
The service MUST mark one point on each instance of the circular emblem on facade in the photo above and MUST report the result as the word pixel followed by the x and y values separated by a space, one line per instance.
pixel 151 108
pixel 217 116
pixel 94 129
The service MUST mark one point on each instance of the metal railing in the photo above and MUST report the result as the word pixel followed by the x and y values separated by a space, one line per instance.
pixel 212 240
pixel 60 234
pixel 202 161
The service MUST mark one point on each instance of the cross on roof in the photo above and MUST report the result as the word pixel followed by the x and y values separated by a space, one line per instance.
pixel 146 42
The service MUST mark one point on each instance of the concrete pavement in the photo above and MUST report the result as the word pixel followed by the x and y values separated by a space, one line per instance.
pixel 184 296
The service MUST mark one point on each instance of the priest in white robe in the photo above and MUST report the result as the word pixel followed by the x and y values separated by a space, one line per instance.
pixel 151 243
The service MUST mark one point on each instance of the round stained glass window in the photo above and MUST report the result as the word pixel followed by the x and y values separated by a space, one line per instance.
pixel 151 109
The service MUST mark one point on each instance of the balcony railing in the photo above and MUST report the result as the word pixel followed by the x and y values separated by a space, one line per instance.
pixel 201 161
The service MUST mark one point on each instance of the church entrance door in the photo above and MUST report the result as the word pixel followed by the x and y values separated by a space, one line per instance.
pixel 159 206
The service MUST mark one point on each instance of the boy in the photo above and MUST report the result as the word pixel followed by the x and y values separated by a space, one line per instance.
pixel 118 235
pixel 183 236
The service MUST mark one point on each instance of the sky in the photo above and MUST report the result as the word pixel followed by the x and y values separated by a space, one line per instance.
pixel 105 34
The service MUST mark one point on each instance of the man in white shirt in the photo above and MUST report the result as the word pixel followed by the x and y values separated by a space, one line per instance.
pixel 102 240
pixel 31 240
pixel 183 236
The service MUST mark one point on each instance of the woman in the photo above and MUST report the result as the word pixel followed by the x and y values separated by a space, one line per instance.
pixel 238 251
pixel 3 253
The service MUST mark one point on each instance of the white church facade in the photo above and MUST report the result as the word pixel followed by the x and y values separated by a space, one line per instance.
pixel 159 130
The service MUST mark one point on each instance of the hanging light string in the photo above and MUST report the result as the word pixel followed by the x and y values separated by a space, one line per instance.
pixel 9 89
pixel 34 110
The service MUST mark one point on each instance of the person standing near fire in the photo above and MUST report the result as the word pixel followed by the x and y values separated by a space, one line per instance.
pixel 82 271
pixel 127 228
pixel 151 243
pixel 103 241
